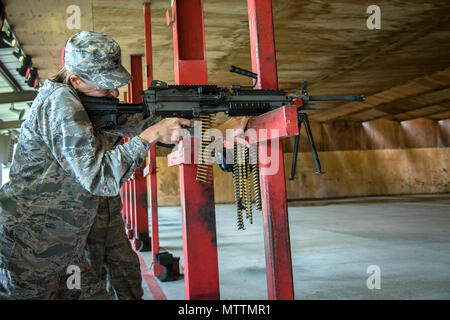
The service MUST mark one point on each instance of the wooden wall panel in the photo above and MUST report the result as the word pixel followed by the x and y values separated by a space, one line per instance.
pixel 444 133
pixel 420 133
pixel 348 174
pixel 383 134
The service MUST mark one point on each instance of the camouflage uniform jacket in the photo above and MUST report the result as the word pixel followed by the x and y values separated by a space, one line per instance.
pixel 59 165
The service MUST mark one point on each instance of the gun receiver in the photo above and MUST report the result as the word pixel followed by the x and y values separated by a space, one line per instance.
pixel 193 101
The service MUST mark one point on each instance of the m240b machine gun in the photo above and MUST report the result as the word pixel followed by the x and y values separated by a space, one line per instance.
pixel 204 101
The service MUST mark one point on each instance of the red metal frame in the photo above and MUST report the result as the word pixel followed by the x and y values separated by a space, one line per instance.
pixel 273 187
pixel 188 42
pixel 148 43
pixel 125 195
pixel 122 191
pixel 150 171
pixel 139 217
pixel 278 123
pixel 126 186
pixel 201 269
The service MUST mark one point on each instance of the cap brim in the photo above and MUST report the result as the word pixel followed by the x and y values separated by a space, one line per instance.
pixel 113 79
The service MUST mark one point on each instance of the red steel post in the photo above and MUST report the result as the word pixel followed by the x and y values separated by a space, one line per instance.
pixel 273 186
pixel 126 201
pixel 123 189
pixel 126 190
pixel 128 185
pixel 136 83
pixel 151 161
pixel 148 44
pixel 139 218
pixel 201 270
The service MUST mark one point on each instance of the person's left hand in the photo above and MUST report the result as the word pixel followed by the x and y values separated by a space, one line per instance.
pixel 235 123
pixel 238 124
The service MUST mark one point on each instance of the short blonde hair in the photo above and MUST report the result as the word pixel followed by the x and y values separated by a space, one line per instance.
pixel 63 76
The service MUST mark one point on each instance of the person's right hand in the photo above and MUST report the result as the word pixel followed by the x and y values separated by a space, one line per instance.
pixel 168 131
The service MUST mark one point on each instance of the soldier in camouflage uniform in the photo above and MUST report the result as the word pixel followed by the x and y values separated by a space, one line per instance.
pixel 108 250
pixel 61 173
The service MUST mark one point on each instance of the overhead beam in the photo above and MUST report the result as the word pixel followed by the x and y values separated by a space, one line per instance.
pixel 22 96
pixel 424 112
pixel 416 102
pixel 440 116
pixel 396 41
pixel 401 109
pixel 436 81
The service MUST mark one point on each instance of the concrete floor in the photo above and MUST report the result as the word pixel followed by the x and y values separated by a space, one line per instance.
pixel 332 247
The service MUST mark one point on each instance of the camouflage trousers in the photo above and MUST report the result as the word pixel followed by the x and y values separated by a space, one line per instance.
pixel 23 278
pixel 110 255
pixel 110 268
pixel 16 287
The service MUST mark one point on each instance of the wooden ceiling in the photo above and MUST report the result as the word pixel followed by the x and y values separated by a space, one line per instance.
pixel 403 69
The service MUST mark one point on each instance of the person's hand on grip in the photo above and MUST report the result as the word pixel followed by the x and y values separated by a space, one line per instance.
pixel 168 131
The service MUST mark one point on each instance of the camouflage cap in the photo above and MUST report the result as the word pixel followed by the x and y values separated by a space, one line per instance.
pixel 97 56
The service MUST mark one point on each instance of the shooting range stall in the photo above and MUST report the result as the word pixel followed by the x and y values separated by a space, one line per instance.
pixel 201 271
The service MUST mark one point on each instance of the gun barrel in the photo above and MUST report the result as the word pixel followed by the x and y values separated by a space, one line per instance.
pixel 338 98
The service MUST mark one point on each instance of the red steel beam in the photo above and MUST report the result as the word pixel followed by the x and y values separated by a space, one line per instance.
pixel 148 43
pixel 273 186
pixel 139 218
pixel 201 269
pixel 151 160
pixel 126 201
pixel 189 42
pixel 130 183
pixel 136 83
pixel 126 186
pixel 123 189
pixel 278 123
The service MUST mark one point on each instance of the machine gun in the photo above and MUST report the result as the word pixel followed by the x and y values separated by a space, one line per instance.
pixel 199 101
pixel 204 101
